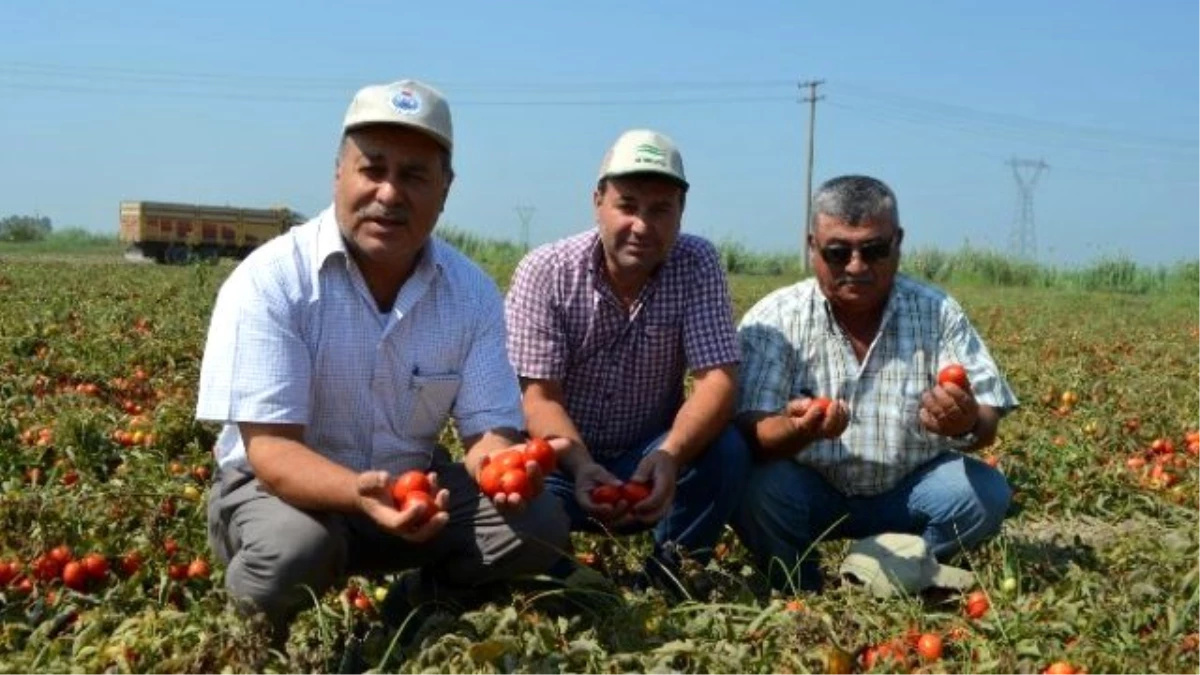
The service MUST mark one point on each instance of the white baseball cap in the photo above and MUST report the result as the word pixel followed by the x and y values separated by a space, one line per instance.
pixel 897 564
pixel 407 102
pixel 643 151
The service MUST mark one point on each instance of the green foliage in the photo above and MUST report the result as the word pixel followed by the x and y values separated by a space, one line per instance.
pixel 24 228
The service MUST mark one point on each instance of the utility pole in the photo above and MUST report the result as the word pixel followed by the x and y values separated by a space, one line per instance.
pixel 812 117
pixel 1024 238
pixel 525 213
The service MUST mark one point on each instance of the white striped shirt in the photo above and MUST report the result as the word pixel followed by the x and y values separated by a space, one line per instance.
pixel 792 346
pixel 296 338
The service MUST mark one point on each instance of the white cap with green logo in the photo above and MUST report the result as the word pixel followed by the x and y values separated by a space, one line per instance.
pixel 643 151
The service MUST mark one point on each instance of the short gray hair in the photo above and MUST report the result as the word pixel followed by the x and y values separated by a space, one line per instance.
pixel 854 199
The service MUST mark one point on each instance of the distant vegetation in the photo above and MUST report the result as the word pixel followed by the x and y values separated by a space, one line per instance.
pixel 965 266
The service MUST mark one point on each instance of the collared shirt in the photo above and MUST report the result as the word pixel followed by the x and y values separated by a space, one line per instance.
pixel 793 346
pixel 621 371
pixel 296 338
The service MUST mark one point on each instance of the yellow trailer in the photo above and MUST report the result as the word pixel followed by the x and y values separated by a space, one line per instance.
pixel 178 233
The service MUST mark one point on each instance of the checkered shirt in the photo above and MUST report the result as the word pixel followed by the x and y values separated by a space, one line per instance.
pixel 622 372
pixel 296 338
pixel 791 345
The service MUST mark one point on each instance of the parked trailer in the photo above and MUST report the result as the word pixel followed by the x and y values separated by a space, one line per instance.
pixel 179 233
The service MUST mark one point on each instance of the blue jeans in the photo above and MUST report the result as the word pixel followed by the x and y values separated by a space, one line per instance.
pixel 706 494
pixel 953 502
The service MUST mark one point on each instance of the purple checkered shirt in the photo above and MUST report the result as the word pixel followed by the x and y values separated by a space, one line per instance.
pixel 621 372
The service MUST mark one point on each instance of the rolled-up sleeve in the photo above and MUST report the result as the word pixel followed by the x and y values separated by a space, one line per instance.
pixel 962 344
pixel 256 366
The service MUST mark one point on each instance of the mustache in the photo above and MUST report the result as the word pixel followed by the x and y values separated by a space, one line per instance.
pixel 855 281
pixel 376 212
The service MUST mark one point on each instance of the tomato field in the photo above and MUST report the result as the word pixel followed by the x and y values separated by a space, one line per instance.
pixel 104 474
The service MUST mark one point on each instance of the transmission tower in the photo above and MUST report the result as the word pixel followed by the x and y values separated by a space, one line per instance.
pixel 1024 237
pixel 525 213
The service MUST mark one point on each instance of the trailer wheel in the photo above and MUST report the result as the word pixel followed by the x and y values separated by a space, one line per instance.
pixel 177 254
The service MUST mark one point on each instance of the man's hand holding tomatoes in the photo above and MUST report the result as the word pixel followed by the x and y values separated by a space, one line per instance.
pixel 660 470
pixel 511 491
pixel 949 409
pixel 817 417
pixel 604 505
pixel 414 523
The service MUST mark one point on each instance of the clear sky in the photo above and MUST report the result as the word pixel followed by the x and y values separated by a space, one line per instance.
pixel 240 103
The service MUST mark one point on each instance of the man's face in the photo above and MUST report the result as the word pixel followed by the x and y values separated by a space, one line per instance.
pixel 389 188
pixel 639 219
pixel 855 264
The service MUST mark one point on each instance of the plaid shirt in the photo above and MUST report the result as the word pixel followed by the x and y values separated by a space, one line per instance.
pixel 792 344
pixel 621 372
pixel 296 338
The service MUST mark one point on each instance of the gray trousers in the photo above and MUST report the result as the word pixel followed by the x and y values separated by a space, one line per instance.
pixel 273 550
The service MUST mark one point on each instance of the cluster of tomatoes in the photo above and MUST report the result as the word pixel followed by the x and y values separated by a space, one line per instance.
pixel 1157 465
pixel 502 473
pixel 88 573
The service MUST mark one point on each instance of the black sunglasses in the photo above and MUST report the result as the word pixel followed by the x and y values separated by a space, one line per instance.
pixel 871 252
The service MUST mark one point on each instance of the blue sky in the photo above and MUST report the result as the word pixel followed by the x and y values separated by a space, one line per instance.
pixel 240 103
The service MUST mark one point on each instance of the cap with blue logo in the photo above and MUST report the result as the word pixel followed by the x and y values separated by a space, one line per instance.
pixel 408 103
pixel 641 151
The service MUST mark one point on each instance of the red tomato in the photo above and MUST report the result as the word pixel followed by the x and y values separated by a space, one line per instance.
pixel 954 374
pixel 977 604
pixel 73 576
pixel 821 403
pixel 1059 668
pixel 7 573
pixel 61 554
pixel 516 481
pixel 362 603
pixel 606 494
pixel 489 479
pixel 177 571
pixel 410 481
pixel 929 646
pixel 95 566
pixel 412 499
pixel 539 450
pixel 198 569
pixel 131 562
pixel 510 459
pixel 45 568
pixel 634 492
pixel 170 547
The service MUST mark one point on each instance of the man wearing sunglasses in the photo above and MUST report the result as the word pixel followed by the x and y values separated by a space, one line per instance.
pixel 838 391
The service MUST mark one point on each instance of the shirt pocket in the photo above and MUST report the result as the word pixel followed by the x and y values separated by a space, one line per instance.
pixel 435 396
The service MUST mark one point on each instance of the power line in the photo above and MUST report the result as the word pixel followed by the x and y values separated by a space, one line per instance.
pixel 811 100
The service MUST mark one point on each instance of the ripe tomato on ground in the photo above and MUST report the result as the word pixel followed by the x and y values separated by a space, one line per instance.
pixel 954 374
pixel 929 646
pixel 977 604
pixel 95 566
pixel 73 576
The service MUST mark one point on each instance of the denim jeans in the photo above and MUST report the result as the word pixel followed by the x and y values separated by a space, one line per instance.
pixel 953 501
pixel 706 494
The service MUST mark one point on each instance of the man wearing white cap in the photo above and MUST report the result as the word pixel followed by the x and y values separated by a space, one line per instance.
pixel 603 327
pixel 336 354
